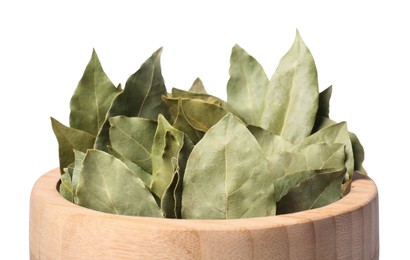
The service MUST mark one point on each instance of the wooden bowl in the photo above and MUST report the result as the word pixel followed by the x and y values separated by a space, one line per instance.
pixel 346 229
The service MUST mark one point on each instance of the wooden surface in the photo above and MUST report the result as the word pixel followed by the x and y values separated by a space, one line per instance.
pixel 347 229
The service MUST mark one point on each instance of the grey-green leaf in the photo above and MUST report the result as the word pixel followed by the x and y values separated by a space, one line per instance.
pixel 66 187
pixel 172 197
pixel 70 139
pixel 132 137
pixel 227 177
pixel 198 87
pixel 141 97
pixel 176 93
pixel 336 133
pixel 358 153
pixel 194 116
pixel 167 144
pixel 313 157
pixel 291 103
pixel 315 191
pixel 247 86
pixel 106 184
pixel 92 98
pixel 324 102
pixel 135 168
pixel 78 164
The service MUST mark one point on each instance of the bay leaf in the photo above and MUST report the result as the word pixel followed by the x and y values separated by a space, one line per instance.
pixel 135 168
pixel 322 122
pixel 247 86
pixel 132 137
pixel 288 181
pixel 316 191
pixel 325 156
pixel 176 93
pixel 336 133
pixel 70 139
pixel 272 145
pixel 291 102
pixel 167 144
pixel 92 98
pixel 193 116
pixel 324 102
pixel 312 157
pixel 66 188
pixel 106 184
pixel 358 153
pixel 141 97
pixel 233 169
pixel 77 165
pixel 172 197
pixel 198 87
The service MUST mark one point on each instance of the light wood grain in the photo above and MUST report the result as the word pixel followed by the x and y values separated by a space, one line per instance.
pixel 347 229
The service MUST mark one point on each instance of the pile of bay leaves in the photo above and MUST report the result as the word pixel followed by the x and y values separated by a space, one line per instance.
pixel 269 149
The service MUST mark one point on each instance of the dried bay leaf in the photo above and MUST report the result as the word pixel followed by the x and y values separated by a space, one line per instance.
pixel 247 86
pixel 70 139
pixel 316 191
pixel 171 202
pixel 132 137
pixel 312 157
pixel 198 87
pixel 135 168
pixel 291 103
pixel 358 153
pixel 106 184
pixel 324 102
pixel 168 143
pixel 176 93
pixel 336 133
pixel 193 116
pixel 92 98
pixel 227 177
pixel 66 187
pixel 77 165
pixel 141 97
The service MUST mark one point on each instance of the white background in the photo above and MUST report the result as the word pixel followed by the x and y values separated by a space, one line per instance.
pixel 360 47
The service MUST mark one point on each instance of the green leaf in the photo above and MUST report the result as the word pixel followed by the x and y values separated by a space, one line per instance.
pixel 198 87
pixel 272 145
pixel 322 122
pixel 288 182
pixel 70 139
pixel 227 177
pixel 291 103
pixel 358 153
pixel 247 86
pixel 167 144
pixel 141 97
pixel 135 168
pixel 78 164
pixel 313 157
pixel 66 188
pixel 92 98
pixel 315 191
pixel 106 184
pixel 132 137
pixel 324 102
pixel 172 198
pixel 336 133
pixel 176 93
pixel 193 116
